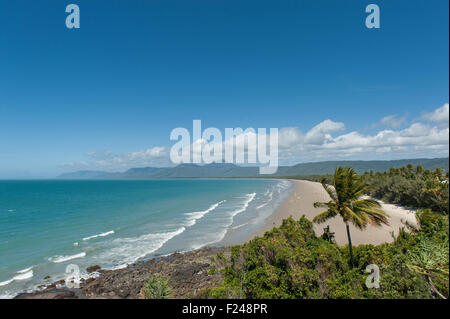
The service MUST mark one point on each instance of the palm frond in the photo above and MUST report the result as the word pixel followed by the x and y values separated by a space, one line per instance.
pixel 320 204
pixel 358 220
pixel 331 192
pixel 376 217
pixel 324 216
pixel 366 203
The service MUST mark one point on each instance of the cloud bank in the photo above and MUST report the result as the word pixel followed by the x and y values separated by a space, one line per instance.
pixel 427 136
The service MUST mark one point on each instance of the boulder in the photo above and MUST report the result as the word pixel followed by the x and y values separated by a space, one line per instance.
pixel 93 268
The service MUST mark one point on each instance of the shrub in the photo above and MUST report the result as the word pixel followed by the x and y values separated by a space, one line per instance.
pixel 412 186
pixel 291 262
pixel 157 287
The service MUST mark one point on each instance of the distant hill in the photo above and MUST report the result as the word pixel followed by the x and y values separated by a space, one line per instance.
pixel 321 168
pixel 231 170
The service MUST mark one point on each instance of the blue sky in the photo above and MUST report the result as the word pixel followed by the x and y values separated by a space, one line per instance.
pixel 76 99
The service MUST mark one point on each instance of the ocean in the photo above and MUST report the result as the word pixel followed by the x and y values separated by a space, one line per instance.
pixel 47 225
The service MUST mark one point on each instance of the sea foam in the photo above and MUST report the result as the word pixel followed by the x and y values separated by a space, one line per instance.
pixel 99 235
pixel 267 202
pixel 249 199
pixel 128 250
pixel 25 270
pixel 194 216
pixel 61 259
pixel 221 235
pixel 23 276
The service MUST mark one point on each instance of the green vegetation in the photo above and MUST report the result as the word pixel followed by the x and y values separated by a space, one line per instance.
pixel 411 186
pixel 314 178
pixel 345 193
pixel 292 262
pixel 157 287
pixel 431 260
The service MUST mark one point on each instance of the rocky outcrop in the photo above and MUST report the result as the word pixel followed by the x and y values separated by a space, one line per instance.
pixel 188 273
pixel 49 294
pixel 93 268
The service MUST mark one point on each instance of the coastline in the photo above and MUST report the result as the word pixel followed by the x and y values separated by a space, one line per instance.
pixel 189 271
pixel 116 223
pixel 300 202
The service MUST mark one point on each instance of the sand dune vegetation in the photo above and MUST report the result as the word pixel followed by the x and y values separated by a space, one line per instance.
pixel 292 261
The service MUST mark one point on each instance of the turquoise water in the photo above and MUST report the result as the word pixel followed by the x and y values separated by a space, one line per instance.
pixel 47 225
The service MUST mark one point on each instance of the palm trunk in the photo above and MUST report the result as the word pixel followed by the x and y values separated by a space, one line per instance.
pixel 349 243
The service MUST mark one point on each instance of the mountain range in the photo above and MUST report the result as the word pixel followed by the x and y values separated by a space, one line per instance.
pixel 217 170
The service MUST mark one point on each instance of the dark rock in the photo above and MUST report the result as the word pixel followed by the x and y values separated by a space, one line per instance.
pixel 49 294
pixel 188 274
pixel 93 268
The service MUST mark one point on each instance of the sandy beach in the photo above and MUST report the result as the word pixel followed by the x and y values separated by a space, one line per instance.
pixel 190 270
pixel 300 202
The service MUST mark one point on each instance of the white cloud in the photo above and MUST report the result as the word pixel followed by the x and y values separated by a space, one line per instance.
pixel 148 154
pixel 321 132
pixel 418 139
pixel 393 121
pixel 289 136
pixel 325 141
pixel 439 115
pixel 107 160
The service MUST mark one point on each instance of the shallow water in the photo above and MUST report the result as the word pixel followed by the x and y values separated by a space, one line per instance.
pixel 47 225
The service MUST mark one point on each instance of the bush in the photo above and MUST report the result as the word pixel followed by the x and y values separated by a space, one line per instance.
pixel 291 262
pixel 412 186
pixel 157 287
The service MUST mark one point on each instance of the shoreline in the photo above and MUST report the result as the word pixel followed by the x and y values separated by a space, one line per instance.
pixel 188 273
pixel 181 266
pixel 300 202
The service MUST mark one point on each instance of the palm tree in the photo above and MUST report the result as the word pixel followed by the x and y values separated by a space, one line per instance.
pixel 346 192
